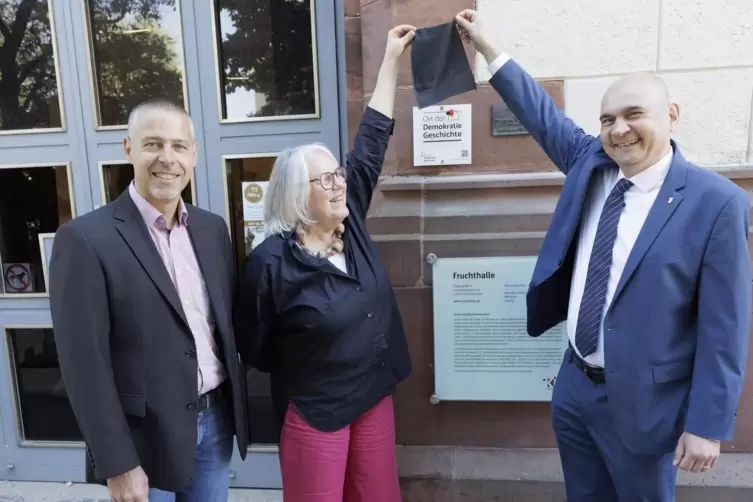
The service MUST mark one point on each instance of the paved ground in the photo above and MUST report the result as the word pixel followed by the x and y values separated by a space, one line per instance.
pixel 414 490
pixel 470 490
pixel 14 491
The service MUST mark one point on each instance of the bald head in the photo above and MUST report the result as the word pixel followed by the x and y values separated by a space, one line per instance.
pixel 637 118
pixel 650 88
pixel 141 111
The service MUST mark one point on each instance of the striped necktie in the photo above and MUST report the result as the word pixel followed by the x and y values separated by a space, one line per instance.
pixel 597 278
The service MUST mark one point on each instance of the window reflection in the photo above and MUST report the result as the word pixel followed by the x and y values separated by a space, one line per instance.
pixel 262 427
pixel 266 58
pixel 261 421
pixel 28 77
pixel 238 171
pixel 137 52
pixel 32 201
pixel 117 177
pixel 41 393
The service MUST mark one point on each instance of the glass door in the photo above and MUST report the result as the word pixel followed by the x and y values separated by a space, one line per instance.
pixel 257 76
pixel 269 81
pixel 43 183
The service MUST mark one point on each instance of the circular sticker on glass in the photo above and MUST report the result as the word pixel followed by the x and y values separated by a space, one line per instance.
pixel 253 193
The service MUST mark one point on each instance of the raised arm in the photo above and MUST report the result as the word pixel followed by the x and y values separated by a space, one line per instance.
pixel 558 136
pixel 80 314
pixel 366 158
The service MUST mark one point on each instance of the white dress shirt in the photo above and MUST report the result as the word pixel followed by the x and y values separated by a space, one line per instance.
pixel 638 201
pixel 495 65
pixel 338 260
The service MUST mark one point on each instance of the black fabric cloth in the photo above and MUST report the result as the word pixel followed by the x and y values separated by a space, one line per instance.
pixel 332 342
pixel 439 65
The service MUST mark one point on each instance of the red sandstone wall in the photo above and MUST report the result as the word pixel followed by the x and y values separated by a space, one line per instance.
pixel 413 219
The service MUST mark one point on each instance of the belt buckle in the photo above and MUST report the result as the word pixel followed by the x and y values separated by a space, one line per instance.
pixel 204 402
pixel 208 399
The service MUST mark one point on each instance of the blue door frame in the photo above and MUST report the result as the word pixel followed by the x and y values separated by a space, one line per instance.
pixel 85 150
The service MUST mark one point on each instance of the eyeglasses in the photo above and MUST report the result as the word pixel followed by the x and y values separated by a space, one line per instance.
pixel 327 180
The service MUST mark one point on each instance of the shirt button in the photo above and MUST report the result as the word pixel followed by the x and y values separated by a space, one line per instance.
pixel 370 315
pixel 358 288
pixel 191 406
pixel 187 302
pixel 177 271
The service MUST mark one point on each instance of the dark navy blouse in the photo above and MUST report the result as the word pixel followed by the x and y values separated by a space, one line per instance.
pixel 332 342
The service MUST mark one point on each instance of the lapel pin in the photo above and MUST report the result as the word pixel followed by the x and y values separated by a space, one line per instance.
pixel 669 201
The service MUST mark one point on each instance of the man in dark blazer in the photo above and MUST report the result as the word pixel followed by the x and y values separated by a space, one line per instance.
pixel 140 293
pixel 647 261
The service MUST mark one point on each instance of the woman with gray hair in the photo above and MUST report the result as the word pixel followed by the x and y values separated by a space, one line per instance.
pixel 315 309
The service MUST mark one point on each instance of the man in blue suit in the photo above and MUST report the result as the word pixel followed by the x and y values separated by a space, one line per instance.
pixel 647 260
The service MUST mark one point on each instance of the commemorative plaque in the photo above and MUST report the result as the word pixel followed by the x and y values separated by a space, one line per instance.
pixel 482 350
pixel 504 123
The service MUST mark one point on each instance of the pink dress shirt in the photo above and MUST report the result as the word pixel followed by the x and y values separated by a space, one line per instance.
pixel 176 250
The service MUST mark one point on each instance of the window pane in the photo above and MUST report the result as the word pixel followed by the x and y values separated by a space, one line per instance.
pixel 266 57
pixel 117 177
pixel 237 171
pixel 28 80
pixel 261 421
pixel 41 393
pixel 137 51
pixel 32 201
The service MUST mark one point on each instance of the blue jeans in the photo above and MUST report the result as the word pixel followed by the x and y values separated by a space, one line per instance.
pixel 214 448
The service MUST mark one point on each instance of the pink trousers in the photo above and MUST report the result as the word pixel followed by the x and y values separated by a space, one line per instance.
pixel 355 464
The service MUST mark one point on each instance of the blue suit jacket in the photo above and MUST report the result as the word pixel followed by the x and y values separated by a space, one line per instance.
pixel 676 333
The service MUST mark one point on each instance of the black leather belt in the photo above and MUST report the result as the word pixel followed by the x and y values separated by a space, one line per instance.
pixel 209 399
pixel 594 373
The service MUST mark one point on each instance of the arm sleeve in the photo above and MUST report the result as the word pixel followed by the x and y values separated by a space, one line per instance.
pixel 81 319
pixel 724 318
pixel 229 256
pixel 560 138
pixel 253 308
pixel 364 162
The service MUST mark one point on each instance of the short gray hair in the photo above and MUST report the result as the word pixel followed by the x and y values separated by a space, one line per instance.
pixel 158 104
pixel 287 198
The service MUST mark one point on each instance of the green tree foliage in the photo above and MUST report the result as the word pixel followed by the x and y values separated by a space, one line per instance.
pixel 28 87
pixel 270 51
pixel 134 58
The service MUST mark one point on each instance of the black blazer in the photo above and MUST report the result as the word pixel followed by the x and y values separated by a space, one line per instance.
pixel 126 352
